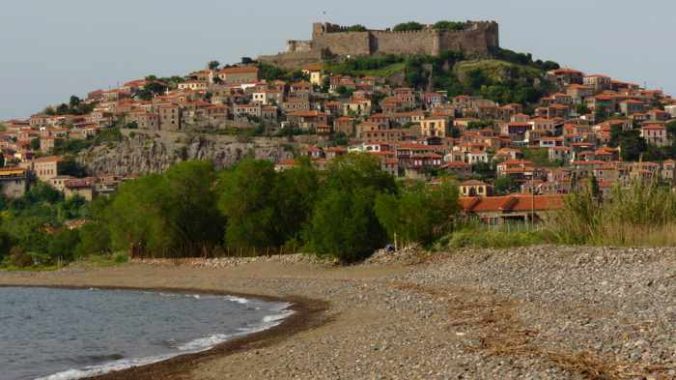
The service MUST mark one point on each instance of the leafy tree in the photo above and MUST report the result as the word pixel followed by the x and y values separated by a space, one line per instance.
pixel 420 213
pixel 671 129
pixel 357 28
pixel 505 185
pixel 296 194
pixel 136 217
pixel 632 145
pixel 171 215
pixel 450 25
pixel 484 170
pixel 582 109
pixel 248 201
pixel 69 166
pixel 74 102
pixel 408 26
pixel 62 244
pixel 35 144
pixel 94 240
pixel 344 224
pixel 191 210
pixel 213 65
pixel 70 146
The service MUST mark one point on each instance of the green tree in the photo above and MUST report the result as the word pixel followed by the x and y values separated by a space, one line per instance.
pixel 213 65
pixel 136 218
pixel 170 215
pixel 247 199
pixel 296 194
pixel 35 144
pixel 344 224
pixel 191 211
pixel 69 166
pixel 62 244
pixel 420 213
pixel 505 185
pixel 450 25
pixel 357 28
pixel 408 26
pixel 632 145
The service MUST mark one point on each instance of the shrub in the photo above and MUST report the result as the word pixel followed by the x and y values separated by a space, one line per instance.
pixel 485 238
pixel 642 213
pixel 19 258
pixel 120 257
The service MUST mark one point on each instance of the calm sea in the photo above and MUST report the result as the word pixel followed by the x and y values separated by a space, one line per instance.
pixel 70 334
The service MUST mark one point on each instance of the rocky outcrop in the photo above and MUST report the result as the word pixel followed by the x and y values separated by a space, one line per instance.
pixel 153 152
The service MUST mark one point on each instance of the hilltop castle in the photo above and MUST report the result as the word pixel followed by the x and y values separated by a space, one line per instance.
pixel 330 40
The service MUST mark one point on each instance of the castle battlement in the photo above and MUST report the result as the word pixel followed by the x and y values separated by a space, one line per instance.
pixel 332 40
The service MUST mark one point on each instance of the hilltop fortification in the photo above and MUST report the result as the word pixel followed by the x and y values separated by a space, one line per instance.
pixel 330 41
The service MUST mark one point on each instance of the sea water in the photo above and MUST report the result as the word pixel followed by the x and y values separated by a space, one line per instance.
pixel 48 333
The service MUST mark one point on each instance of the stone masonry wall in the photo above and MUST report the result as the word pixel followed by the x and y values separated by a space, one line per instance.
pixel 406 43
pixel 343 44
pixel 479 38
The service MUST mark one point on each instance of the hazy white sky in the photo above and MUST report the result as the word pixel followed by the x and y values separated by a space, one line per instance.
pixel 52 49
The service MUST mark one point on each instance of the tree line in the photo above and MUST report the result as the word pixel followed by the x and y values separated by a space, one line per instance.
pixel 345 212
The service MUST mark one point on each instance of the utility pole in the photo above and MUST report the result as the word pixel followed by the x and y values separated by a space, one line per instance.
pixel 532 200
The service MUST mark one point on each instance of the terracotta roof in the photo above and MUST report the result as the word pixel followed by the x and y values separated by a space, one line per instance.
pixel 239 70
pixel 511 203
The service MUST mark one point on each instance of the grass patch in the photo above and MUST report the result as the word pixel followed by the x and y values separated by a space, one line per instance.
pixel 495 70
pixel 383 72
pixel 476 235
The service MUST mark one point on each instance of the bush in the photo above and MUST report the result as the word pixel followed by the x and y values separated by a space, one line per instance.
pixel 408 26
pixel 19 258
pixel 120 258
pixel 486 238
pixel 420 213
pixel 642 213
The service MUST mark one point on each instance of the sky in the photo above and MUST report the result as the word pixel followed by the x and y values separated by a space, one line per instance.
pixel 50 49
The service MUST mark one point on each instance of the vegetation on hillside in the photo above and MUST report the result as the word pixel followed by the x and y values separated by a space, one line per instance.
pixel 509 77
pixel 75 106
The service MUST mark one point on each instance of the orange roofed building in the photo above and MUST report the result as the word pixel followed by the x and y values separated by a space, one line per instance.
pixel 511 208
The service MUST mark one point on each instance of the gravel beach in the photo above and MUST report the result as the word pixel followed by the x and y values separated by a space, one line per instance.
pixel 544 312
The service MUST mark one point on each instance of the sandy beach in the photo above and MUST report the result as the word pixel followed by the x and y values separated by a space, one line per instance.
pixel 530 313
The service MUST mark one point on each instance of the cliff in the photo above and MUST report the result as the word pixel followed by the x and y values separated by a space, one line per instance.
pixel 153 152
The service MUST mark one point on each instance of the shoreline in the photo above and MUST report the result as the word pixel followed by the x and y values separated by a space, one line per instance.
pixel 531 312
pixel 306 314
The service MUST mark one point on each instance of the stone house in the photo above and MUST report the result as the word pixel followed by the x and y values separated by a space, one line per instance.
pixel 169 116
pixel 13 182
pixel 307 120
pixel 434 127
pixel 655 134
pixel 46 168
pixel 474 188
pixel 238 75
pixel 597 82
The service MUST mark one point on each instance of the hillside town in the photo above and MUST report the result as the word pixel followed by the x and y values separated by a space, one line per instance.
pixel 510 160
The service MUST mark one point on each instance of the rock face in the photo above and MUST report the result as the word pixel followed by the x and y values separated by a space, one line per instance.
pixel 148 152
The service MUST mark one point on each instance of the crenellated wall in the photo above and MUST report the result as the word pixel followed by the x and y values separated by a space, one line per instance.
pixel 344 44
pixel 406 43
pixel 334 40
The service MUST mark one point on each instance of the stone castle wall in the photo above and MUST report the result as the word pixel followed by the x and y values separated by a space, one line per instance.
pixel 344 44
pixel 406 43
pixel 333 40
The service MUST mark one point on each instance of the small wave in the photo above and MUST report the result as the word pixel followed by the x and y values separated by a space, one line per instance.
pixel 195 346
pixel 97 370
pixel 239 300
